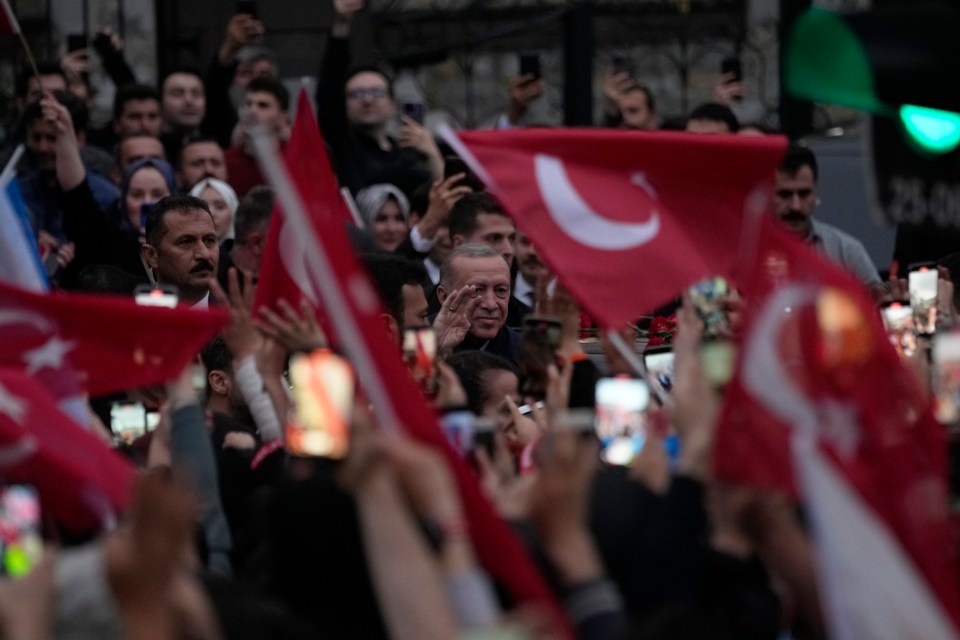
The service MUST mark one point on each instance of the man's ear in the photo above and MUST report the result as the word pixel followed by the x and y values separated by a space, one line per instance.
pixel 254 243
pixel 457 239
pixel 441 294
pixel 81 138
pixel 149 253
pixel 219 382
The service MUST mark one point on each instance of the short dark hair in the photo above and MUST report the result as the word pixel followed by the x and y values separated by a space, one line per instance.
pixel 369 68
pixel 78 110
pixel 797 157
pixel 44 69
pixel 253 211
pixel 188 70
pixel 714 112
pixel 651 105
pixel 156 226
pixel 131 92
pixel 389 274
pixel 463 215
pixel 271 86
pixel 471 366
pixel 215 356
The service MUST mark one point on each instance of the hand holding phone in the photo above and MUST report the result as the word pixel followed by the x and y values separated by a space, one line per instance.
pixel 416 111
pixel 922 283
pixel 530 64
pixel 21 546
pixel 621 403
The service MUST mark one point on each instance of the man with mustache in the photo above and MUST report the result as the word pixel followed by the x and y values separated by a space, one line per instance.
pixel 474 292
pixel 182 247
pixel 795 199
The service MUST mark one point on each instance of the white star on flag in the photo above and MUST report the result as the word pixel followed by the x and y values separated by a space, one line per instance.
pixel 11 406
pixel 49 355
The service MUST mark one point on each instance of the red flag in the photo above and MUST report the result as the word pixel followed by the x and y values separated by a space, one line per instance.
pixel 81 481
pixel 353 311
pixel 283 272
pixel 111 343
pixel 8 20
pixel 822 406
pixel 626 219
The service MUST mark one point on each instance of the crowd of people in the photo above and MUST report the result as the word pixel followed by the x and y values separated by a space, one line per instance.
pixel 230 535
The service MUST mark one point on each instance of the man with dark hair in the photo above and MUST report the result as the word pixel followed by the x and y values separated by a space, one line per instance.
pixel 474 293
pixel 354 110
pixel 133 148
pixel 200 157
pixel 181 247
pixel 184 103
pixel 36 172
pixel 478 217
pixel 712 118
pixel 136 110
pixel 52 79
pixel 629 105
pixel 398 281
pixel 265 102
pixel 795 199
pixel 251 222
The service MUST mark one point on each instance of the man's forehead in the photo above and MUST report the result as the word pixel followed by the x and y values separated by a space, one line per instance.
pixel 180 80
pixel 143 145
pixel 802 175
pixel 367 79
pixel 491 219
pixel 202 149
pixel 481 267
pixel 188 221
pixel 141 104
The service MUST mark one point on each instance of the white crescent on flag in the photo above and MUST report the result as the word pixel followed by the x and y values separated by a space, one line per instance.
pixel 579 221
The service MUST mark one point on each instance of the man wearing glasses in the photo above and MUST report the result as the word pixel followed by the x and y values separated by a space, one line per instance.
pixel 355 109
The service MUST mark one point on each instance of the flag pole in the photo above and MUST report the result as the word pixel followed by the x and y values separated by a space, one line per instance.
pixel 319 269
pixel 30 58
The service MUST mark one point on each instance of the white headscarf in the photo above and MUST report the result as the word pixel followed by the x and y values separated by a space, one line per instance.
pixel 371 199
pixel 226 192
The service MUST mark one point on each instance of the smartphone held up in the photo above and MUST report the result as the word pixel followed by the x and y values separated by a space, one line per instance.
pixel 323 392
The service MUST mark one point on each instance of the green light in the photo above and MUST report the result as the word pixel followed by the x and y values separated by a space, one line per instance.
pixel 933 130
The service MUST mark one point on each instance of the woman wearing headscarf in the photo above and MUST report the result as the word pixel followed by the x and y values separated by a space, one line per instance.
pixel 223 204
pixel 385 212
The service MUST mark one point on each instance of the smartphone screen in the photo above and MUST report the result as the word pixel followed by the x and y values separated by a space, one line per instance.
pixel 898 320
pixel 129 420
pixel 415 111
pixel 458 426
pixel 323 388
pixel 946 377
pixel 420 354
pixel 22 545
pixel 707 298
pixel 620 421
pixel 717 359
pixel 530 64
pixel 165 295
pixel 659 364
pixel 922 282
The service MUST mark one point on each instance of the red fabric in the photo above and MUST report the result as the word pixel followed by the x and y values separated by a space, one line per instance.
pixel 868 414
pixel 111 343
pixel 611 182
pixel 498 549
pixel 8 19
pixel 82 483
pixel 243 171
pixel 283 271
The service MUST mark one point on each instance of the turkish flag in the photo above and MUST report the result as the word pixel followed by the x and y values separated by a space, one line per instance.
pixel 8 20
pixel 821 406
pixel 111 343
pixel 82 483
pixel 283 272
pixel 353 311
pixel 626 219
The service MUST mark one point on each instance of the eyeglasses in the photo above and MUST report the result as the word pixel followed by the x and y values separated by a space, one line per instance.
pixel 373 92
